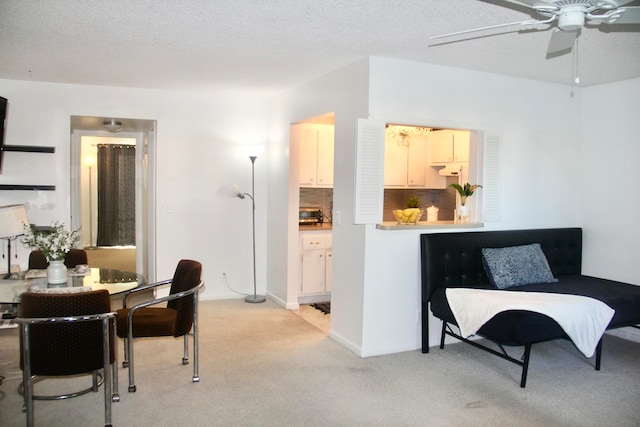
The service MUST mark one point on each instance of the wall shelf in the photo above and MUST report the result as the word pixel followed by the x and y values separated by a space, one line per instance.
pixel 27 187
pixel 29 149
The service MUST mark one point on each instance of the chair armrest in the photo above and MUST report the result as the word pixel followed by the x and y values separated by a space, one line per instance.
pixel 143 288
pixel 170 297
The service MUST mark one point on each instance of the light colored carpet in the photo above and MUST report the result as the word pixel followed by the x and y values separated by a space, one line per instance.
pixel 261 365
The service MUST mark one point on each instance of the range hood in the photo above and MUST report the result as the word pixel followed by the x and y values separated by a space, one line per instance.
pixel 452 169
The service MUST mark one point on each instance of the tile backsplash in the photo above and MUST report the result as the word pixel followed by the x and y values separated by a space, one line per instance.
pixel 321 198
pixel 444 200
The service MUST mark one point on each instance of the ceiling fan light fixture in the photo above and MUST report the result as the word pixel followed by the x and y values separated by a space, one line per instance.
pixel 571 20
pixel 112 125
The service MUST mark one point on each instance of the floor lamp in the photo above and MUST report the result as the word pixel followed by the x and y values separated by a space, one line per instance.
pixel 255 298
pixel 13 219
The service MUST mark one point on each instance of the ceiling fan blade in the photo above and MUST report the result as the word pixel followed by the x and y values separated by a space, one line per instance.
pixel 491 27
pixel 562 40
pixel 618 3
pixel 628 15
pixel 535 4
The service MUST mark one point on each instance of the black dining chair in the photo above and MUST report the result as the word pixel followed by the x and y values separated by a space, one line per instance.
pixel 177 319
pixel 67 334
pixel 74 257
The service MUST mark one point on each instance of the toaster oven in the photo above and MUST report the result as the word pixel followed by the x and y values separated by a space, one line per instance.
pixel 310 216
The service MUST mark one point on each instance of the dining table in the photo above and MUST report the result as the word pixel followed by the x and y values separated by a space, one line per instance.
pixel 113 280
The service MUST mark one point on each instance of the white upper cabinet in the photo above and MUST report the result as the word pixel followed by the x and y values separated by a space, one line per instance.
pixel 417 162
pixel 461 146
pixel 325 155
pixel 406 164
pixel 316 155
pixel 448 146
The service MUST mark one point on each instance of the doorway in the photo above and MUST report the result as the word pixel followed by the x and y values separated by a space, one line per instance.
pixel 311 147
pixel 87 133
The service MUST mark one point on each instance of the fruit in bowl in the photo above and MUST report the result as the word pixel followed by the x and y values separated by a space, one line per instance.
pixel 407 216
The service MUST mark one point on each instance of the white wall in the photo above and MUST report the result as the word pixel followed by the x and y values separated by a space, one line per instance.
pixel 200 157
pixel 377 272
pixel 552 176
pixel 543 175
pixel 610 180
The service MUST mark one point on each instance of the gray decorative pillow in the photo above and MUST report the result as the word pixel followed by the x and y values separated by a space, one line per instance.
pixel 516 265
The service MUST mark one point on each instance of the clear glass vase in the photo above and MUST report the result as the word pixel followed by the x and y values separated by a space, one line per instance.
pixel 463 214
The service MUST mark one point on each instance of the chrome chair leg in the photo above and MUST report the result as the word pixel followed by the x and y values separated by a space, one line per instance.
pixel 125 362
pixel 107 377
pixel 115 397
pixel 185 357
pixel 196 375
pixel 94 378
pixel 26 376
pixel 129 355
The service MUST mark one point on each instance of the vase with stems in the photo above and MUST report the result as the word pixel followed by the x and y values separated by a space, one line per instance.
pixel 56 272
pixel 462 211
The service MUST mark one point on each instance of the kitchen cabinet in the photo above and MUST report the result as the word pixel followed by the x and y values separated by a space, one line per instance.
pixel 449 146
pixel 407 166
pixel 315 267
pixel 316 155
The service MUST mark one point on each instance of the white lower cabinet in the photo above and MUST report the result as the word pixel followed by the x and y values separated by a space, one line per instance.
pixel 315 267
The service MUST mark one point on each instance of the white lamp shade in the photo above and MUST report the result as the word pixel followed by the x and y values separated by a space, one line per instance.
pixel 13 218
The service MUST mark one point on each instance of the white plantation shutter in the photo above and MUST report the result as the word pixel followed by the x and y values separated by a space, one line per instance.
pixel 491 188
pixel 369 178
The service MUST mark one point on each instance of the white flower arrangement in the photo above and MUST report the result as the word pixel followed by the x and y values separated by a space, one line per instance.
pixel 54 244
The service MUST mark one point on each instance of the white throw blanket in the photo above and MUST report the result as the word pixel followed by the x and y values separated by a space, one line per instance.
pixel 583 319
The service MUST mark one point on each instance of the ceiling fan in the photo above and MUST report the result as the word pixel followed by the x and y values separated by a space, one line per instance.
pixel 571 16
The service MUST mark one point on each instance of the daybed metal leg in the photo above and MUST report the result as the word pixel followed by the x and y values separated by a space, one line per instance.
pixel 425 327
pixel 599 353
pixel 443 334
pixel 525 365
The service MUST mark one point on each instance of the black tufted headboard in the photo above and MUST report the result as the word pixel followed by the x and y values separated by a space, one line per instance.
pixel 455 259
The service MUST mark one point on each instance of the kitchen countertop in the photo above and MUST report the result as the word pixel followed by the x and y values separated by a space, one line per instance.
pixel 316 227
pixel 424 225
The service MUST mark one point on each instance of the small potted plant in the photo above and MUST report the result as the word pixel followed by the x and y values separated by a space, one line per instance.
pixel 464 192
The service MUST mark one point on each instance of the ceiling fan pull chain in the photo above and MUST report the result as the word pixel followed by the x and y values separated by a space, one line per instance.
pixel 576 71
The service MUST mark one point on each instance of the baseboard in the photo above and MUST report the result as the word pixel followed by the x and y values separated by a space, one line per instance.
pixel 345 342
pixel 629 333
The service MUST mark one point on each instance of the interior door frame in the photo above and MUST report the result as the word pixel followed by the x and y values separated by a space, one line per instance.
pixel 145 192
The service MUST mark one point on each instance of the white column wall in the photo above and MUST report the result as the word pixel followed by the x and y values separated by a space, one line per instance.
pixel 344 92
pixel 610 179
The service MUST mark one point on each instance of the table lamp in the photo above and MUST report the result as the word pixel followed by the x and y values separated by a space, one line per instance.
pixel 13 218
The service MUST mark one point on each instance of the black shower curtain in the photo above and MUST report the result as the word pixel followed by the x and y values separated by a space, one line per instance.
pixel 116 195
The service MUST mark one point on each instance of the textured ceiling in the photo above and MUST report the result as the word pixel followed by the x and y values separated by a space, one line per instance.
pixel 266 46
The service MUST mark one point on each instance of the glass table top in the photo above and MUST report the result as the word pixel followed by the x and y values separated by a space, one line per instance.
pixel 114 281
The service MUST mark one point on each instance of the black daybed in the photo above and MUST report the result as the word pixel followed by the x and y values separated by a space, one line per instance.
pixel 455 260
